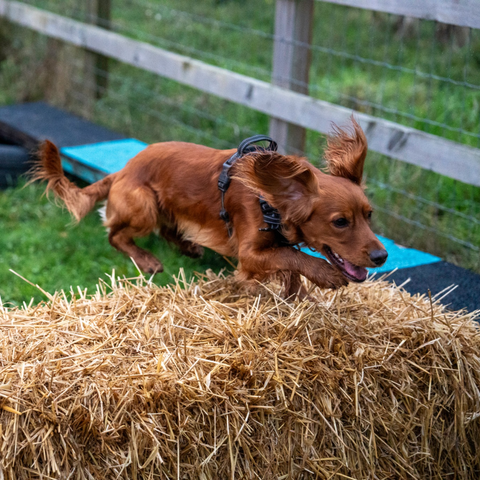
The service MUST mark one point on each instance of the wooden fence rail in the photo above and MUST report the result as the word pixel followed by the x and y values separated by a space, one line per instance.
pixel 463 13
pixel 407 144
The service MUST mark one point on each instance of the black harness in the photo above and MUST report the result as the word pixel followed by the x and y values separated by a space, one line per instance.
pixel 271 216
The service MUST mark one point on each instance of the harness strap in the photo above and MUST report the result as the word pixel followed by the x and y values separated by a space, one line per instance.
pixel 246 146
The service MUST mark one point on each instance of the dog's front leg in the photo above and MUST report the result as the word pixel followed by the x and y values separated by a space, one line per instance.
pixel 261 263
pixel 293 286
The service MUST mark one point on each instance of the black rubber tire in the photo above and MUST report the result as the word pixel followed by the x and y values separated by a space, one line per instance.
pixel 14 161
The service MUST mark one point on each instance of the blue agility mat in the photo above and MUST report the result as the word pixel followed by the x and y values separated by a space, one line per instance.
pixel 106 157
pixel 402 257
pixel 398 257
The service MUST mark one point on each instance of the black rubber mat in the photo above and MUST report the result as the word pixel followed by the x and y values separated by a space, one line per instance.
pixel 14 162
pixel 29 123
pixel 438 276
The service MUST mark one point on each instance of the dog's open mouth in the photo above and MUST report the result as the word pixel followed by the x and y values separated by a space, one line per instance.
pixel 351 271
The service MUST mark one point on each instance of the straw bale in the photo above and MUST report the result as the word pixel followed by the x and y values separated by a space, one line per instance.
pixel 200 380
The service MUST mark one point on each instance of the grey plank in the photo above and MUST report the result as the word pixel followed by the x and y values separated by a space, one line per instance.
pixel 464 13
pixel 407 144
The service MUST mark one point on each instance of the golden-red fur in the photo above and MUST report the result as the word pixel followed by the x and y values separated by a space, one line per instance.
pixel 171 187
pixel 78 201
pixel 346 152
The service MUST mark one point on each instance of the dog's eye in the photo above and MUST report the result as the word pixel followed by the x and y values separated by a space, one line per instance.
pixel 369 214
pixel 340 222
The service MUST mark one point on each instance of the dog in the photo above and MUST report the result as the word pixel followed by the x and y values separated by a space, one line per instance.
pixel 172 188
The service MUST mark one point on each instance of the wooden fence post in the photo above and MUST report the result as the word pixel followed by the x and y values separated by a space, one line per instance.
pixel 96 65
pixel 291 64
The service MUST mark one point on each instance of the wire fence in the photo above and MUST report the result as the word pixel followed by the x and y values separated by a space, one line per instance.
pixel 418 73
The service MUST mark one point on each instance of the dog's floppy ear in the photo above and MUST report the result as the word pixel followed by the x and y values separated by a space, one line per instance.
pixel 346 152
pixel 286 183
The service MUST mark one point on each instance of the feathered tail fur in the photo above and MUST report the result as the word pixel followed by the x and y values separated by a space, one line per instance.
pixel 79 201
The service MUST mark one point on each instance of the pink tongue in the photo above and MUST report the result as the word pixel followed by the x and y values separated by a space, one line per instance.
pixel 359 273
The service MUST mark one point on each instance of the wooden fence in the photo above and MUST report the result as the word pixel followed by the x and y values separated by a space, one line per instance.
pixel 463 13
pixel 290 110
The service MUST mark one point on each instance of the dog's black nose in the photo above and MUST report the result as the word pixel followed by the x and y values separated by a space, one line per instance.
pixel 378 257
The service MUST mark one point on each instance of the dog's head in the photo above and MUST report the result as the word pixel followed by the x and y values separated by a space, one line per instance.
pixel 329 213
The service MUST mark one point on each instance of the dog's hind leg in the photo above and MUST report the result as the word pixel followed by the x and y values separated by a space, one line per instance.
pixel 122 240
pixel 186 247
pixel 132 213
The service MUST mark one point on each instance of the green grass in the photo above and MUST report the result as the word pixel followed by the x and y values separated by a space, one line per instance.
pixel 414 207
pixel 40 242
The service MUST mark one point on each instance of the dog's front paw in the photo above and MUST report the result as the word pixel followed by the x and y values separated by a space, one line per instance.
pixel 331 278
pixel 337 281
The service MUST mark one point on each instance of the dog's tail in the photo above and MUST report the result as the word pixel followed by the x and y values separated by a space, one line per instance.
pixel 79 201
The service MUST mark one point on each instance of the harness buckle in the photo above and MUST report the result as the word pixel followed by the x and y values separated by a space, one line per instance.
pixel 224 178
